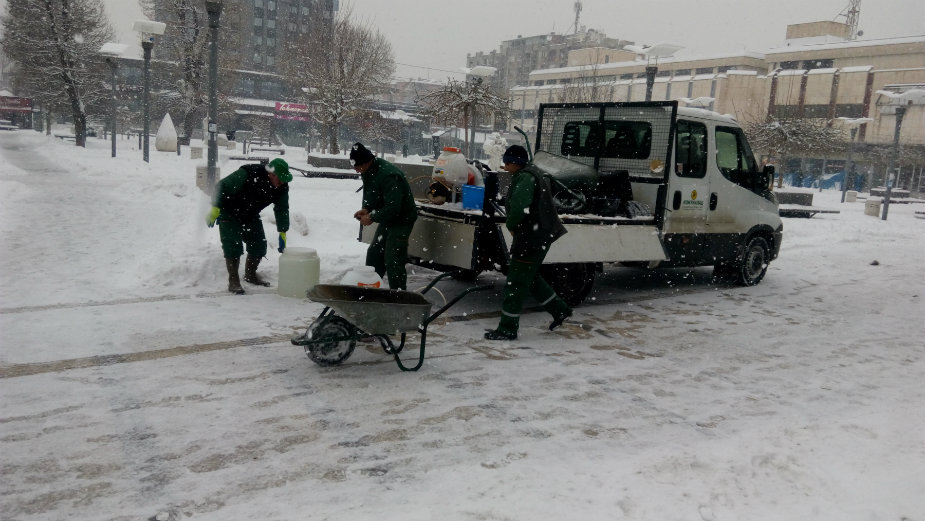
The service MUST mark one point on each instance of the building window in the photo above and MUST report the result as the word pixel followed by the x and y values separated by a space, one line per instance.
pixel 257 58
pixel 271 6
pixel 849 110
pixel 790 66
pixel 726 68
pixel 258 22
pixel 663 74
pixel 539 83
pixel 818 64
pixel 271 23
pixel 682 72
pixel 705 70
pixel 271 61
pixel 258 3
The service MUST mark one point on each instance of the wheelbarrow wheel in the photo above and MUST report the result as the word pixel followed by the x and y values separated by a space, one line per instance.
pixel 324 350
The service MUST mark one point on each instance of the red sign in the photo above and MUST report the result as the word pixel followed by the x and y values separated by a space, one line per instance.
pixel 292 111
pixel 11 104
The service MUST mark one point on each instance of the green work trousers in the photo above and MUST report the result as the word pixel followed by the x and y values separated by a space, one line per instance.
pixel 523 277
pixel 234 232
pixel 388 253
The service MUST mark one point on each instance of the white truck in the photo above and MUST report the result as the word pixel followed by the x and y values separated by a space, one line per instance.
pixel 636 184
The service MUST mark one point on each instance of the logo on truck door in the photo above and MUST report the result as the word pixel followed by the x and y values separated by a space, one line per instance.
pixel 692 202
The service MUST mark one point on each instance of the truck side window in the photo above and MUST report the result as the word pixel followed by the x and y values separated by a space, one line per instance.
pixel 691 149
pixel 734 157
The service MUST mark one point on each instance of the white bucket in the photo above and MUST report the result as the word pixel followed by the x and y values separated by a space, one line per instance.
pixel 363 276
pixel 299 269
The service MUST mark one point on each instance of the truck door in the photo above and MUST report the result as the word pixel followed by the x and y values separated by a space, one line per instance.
pixel 732 193
pixel 688 194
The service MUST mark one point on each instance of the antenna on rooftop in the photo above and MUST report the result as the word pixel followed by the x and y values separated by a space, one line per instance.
pixel 851 13
pixel 577 8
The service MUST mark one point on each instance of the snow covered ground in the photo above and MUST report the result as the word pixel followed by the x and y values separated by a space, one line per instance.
pixel 132 384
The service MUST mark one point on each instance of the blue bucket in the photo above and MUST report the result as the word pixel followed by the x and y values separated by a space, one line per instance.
pixel 472 197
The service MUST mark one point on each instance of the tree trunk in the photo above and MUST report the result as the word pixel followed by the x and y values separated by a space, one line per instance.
pixel 466 127
pixel 332 138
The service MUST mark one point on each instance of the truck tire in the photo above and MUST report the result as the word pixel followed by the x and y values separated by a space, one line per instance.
pixel 572 282
pixel 754 263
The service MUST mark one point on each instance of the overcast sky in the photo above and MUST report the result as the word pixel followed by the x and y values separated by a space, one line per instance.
pixel 432 37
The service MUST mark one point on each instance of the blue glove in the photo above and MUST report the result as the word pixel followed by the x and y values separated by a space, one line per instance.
pixel 212 216
pixel 282 242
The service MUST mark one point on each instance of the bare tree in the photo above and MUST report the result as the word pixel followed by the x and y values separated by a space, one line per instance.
pixel 460 99
pixel 337 67
pixel 55 44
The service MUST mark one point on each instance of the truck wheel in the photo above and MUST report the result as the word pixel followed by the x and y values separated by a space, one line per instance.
pixel 325 353
pixel 572 282
pixel 754 263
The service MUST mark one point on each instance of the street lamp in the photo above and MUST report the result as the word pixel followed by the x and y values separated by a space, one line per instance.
pixel 148 30
pixel 113 51
pixel 481 72
pixel 652 54
pixel 898 103
pixel 214 9
pixel 853 124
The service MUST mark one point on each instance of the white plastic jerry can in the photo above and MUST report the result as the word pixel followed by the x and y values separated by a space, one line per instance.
pixel 362 276
pixel 299 270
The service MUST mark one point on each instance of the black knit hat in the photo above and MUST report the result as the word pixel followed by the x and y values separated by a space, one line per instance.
pixel 360 155
pixel 515 154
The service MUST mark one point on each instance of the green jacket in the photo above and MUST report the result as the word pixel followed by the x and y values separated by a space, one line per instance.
pixel 247 191
pixel 387 195
pixel 531 214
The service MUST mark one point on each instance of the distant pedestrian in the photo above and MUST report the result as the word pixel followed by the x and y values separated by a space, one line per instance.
pixel 236 206
pixel 534 224
pixel 387 201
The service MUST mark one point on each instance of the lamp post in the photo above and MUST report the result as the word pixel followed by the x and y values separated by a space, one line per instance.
pixel 214 9
pixel 148 30
pixel 853 124
pixel 652 53
pixel 899 101
pixel 111 51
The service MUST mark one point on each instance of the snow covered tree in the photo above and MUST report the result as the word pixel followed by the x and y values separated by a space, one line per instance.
pixel 55 44
pixel 461 99
pixel 338 66
pixel 785 137
pixel 185 44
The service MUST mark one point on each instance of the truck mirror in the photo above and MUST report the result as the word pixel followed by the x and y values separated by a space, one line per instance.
pixel 768 172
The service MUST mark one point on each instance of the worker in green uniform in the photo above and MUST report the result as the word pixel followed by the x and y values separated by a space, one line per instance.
pixel 236 206
pixel 387 201
pixel 534 225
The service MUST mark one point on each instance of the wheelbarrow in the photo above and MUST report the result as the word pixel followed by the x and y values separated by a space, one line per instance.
pixel 354 313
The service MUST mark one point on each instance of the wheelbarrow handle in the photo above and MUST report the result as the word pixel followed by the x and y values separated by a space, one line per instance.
pixel 438 278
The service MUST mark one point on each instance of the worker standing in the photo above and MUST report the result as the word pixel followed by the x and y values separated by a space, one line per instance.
pixel 389 202
pixel 534 224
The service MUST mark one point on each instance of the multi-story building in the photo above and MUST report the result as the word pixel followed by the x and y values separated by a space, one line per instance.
pixel 817 73
pixel 516 59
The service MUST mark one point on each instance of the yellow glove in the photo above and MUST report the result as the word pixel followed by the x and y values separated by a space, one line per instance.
pixel 282 242
pixel 213 216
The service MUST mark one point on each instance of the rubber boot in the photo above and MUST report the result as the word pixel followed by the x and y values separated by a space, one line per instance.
pixel 234 283
pixel 250 272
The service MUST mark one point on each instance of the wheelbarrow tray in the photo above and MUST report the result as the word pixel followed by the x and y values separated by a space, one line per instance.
pixel 374 311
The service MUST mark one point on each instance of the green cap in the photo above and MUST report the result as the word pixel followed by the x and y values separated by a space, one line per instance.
pixel 279 167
